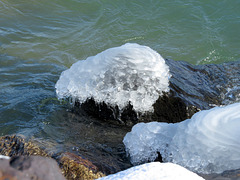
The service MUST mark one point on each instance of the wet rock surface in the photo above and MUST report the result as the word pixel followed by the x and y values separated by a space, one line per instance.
pixel 205 86
pixel 192 88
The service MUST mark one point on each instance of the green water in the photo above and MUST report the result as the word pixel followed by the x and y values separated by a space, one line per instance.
pixel 63 32
pixel 41 38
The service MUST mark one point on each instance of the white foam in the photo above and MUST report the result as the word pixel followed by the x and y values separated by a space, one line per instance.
pixel 208 142
pixel 116 76
pixel 153 171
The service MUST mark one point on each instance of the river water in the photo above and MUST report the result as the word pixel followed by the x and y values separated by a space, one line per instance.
pixel 40 39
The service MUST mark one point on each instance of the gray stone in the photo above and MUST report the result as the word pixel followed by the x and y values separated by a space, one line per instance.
pixel 30 168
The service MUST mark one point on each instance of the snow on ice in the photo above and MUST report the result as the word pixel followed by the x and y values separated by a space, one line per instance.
pixel 153 171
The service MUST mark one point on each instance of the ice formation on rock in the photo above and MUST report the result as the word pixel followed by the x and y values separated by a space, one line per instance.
pixel 153 171
pixel 129 73
pixel 208 142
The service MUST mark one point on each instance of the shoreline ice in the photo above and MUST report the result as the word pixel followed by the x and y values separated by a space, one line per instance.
pixel 206 143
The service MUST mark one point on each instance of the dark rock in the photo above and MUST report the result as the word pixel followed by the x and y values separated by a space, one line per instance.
pixel 106 112
pixel 30 168
pixel 192 88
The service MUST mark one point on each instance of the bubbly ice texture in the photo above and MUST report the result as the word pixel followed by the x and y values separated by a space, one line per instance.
pixel 153 171
pixel 209 142
pixel 129 73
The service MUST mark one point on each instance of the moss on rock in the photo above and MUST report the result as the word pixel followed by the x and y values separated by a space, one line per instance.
pixel 76 167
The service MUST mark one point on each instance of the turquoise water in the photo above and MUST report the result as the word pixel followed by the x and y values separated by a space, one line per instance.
pixel 40 39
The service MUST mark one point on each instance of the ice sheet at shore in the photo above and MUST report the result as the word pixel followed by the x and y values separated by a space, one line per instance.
pixel 208 142
pixel 116 76
pixel 154 171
